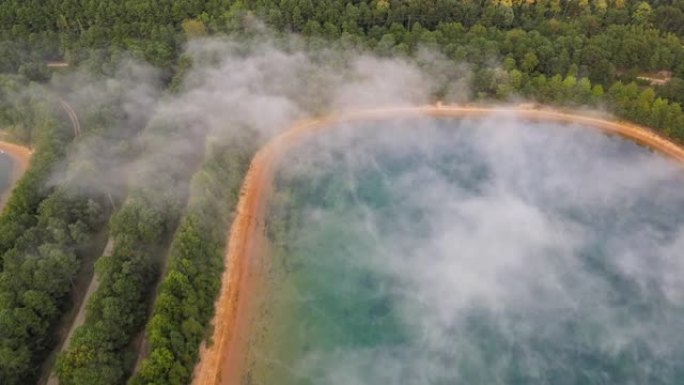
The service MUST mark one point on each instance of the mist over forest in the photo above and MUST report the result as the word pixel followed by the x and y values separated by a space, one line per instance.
pixel 142 118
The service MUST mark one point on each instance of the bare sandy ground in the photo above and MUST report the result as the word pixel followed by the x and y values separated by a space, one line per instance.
pixel 220 363
pixel 21 156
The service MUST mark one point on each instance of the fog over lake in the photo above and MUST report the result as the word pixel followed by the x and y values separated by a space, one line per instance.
pixel 493 251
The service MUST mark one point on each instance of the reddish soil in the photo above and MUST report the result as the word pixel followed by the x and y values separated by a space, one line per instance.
pixel 222 361
pixel 21 157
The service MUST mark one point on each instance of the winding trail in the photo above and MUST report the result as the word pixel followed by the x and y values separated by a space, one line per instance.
pixel 72 117
pixel 220 362
pixel 72 321
pixel 20 158
pixel 77 321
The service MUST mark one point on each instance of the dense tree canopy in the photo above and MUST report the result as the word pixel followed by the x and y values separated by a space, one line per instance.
pixel 629 34
pixel 99 352
pixel 49 227
pixel 185 302
pixel 559 52
pixel 44 234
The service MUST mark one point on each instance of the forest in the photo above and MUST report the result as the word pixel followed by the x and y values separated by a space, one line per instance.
pixel 161 279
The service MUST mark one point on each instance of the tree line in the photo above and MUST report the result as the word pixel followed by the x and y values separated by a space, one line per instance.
pixel 51 223
pixel 102 351
pixel 561 52
pixel 45 232
pixel 185 302
pixel 605 41
pixel 628 100
pixel 36 31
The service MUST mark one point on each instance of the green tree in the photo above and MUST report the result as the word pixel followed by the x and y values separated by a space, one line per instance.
pixel 643 14
pixel 194 28
pixel 529 62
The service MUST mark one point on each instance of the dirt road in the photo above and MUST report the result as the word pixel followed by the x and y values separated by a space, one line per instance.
pixel 48 377
pixel 20 156
pixel 219 363
pixel 72 117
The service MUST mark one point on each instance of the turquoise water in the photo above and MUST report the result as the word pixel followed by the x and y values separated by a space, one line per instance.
pixel 471 252
pixel 5 173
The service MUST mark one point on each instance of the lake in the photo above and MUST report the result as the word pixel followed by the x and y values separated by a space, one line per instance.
pixel 484 251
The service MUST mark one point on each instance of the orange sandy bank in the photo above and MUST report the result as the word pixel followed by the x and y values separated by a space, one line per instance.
pixel 220 362
pixel 20 156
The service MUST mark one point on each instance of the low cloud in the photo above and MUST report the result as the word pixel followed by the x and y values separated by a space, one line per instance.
pixel 231 89
pixel 509 249
pixel 507 231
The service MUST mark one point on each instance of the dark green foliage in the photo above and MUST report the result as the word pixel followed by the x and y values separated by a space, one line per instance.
pixel 117 308
pixel 49 225
pixel 630 101
pixel 673 90
pixel 99 352
pixel 559 52
pixel 43 231
pixel 19 215
pixel 185 302
pixel 23 109
pixel 629 34
pixel 642 106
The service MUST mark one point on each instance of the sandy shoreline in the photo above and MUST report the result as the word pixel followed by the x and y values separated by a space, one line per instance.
pixel 20 161
pixel 220 362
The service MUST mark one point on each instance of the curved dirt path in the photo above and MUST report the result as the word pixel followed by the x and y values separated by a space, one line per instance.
pixel 77 321
pixel 47 376
pixel 20 159
pixel 220 362
pixel 72 117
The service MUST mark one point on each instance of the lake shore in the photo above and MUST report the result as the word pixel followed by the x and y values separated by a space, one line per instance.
pixel 220 362
pixel 21 157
